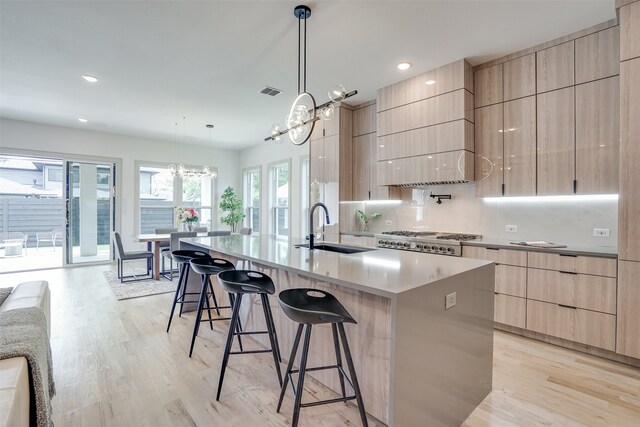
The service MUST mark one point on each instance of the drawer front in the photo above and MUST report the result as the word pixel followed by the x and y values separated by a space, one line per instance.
pixel 574 264
pixel 499 256
pixel 573 324
pixel 576 290
pixel 510 310
pixel 511 280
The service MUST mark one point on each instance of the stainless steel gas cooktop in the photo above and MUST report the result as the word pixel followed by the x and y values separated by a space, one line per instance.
pixel 424 241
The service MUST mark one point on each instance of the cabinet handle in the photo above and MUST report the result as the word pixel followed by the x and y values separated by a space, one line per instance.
pixel 575 186
pixel 493 249
pixel 566 272
pixel 567 306
pixel 569 255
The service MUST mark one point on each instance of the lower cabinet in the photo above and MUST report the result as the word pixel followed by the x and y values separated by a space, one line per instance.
pixel 576 298
pixel 510 310
pixel 574 324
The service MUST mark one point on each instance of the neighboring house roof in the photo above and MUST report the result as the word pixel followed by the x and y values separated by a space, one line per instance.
pixel 11 188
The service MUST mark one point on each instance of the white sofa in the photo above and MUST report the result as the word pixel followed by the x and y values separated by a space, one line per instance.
pixel 14 379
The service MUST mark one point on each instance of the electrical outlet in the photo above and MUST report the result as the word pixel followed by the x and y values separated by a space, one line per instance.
pixel 601 232
pixel 388 222
pixel 450 301
pixel 511 228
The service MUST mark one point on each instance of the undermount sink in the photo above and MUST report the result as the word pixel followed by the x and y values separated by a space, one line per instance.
pixel 337 248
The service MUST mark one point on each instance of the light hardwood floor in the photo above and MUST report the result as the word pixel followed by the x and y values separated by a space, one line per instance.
pixel 114 365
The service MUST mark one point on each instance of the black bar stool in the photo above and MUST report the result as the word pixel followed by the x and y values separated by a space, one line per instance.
pixel 238 283
pixel 182 258
pixel 205 267
pixel 313 307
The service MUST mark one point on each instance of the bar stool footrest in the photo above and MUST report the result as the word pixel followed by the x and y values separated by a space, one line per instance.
pixel 324 402
pixel 251 351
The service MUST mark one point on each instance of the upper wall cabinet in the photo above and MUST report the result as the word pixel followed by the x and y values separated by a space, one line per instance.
pixel 520 147
pixel 488 86
pixel 555 67
pixel 630 21
pixel 489 151
pixel 597 55
pixel 364 172
pixel 556 142
pixel 597 136
pixel 519 77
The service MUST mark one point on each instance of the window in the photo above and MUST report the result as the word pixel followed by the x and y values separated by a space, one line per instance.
pixel 279 193
pixel 156 199
pixel 197 193
pixel 252 199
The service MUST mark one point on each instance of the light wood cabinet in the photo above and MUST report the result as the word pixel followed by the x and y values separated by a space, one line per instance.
pixel 596 266
pixel 571 289
pixel 497 255
pixel 629 31
pixel 598 55
pixel 628 332
pixel 519 77
pixel 555 67
pixel 556 142
pixel 365 149
pixel 520 147
pixel 330 165
pixel 598 136
pixel 573 324
pixel 629 204
pixel 510 310
pixel 488 86
pixel 489 151
pixel 511 280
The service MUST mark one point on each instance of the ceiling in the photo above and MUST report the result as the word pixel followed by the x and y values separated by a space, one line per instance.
pixel 160 61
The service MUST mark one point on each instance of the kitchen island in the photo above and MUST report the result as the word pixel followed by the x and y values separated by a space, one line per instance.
pixel 418 363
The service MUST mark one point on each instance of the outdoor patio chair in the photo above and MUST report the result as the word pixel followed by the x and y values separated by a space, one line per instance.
pixel 122 256
pixel 49 236
pixel 17 235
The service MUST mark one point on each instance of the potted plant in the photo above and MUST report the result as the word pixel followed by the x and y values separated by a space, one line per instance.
pixel 231 207
pixel 188 217
pixel 366 218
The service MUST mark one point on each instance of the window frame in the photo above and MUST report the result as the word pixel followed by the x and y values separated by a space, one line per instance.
pixel 246 198
pixel 272 192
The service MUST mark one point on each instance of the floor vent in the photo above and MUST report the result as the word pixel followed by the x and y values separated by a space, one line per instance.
pixel 271 91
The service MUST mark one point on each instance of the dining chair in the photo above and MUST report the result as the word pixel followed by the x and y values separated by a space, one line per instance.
pixel 245 231
pixel 122 255
pixel 164 246
pixel 174 245
pixel 216 233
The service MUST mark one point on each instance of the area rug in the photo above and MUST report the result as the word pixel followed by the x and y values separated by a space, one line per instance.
pixel 139 288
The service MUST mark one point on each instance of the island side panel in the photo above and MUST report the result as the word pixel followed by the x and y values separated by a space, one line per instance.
pixel 369 340
pixel 442 359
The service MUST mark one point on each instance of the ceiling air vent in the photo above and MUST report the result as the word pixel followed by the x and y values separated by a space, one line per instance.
pixel 271 91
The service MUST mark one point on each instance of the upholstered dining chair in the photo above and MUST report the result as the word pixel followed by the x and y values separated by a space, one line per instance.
pixel 122 256
pixel 216 233
pixel 174 245
pixel 164 246
pixel 245 230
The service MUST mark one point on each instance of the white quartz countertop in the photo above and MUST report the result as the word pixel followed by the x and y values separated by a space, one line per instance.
pixel 596 251
pixel 384 272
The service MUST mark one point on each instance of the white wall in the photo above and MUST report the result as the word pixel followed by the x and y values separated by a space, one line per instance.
pixel 570 220
pixel 31 138
pixel 265 154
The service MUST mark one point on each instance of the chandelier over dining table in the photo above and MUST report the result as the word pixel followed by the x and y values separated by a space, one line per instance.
pixel 183 172
pixel 304 113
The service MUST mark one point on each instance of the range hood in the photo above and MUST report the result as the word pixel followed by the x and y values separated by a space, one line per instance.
pixel 425 128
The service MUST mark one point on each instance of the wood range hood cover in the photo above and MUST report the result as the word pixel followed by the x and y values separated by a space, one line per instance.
pixel 425 128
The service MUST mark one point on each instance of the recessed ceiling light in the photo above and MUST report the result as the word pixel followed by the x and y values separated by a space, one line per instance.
pixel 83 120
pixel 90 78
pixel 430 82
pixel 404 66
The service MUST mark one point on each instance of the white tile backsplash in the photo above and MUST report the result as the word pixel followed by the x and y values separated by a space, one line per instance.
pixel 569 220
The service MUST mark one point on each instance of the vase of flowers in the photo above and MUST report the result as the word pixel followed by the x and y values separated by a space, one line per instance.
pixel 188 217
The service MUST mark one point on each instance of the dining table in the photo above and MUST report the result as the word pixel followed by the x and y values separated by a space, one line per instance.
pixel 153 242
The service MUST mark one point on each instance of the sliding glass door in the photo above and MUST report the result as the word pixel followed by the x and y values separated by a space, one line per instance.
pixel 90 205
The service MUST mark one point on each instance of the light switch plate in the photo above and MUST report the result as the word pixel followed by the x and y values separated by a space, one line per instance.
pixel 601 232
pixel 511 228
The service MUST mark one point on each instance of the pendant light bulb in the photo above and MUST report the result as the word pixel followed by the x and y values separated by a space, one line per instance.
pixel 337 93
pixel 327 112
